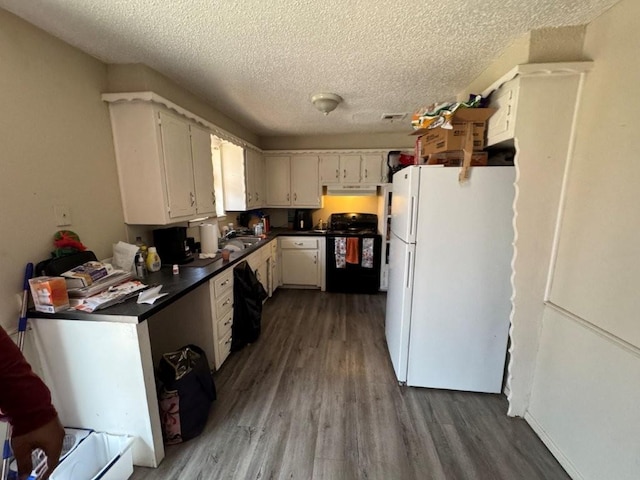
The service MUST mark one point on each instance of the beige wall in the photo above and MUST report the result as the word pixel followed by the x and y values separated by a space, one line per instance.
pixel 584 393
pixel 538 46
pixel 140 78
pixel 56 150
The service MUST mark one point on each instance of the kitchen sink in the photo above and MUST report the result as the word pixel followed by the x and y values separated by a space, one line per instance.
pixel 239 242
pixel 248 240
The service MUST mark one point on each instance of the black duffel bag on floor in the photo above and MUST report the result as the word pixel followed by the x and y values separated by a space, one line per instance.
pixel 186 393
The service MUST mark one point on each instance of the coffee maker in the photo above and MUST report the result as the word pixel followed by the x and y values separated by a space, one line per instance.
pixel 302 220
pixel 171 244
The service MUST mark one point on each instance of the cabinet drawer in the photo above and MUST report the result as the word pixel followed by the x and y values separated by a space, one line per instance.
pixel 223 282
pixel 300 243
pixel 224 303
pixel 224 323
pixel 224 348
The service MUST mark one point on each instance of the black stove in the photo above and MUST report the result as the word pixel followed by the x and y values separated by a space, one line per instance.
pixel 353 253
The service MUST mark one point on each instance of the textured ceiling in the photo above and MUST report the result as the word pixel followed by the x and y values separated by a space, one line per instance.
pixel 259 62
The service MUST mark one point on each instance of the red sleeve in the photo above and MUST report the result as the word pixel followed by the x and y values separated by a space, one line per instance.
pixel 24 398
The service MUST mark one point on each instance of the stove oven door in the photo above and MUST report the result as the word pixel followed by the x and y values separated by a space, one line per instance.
pixel 353 274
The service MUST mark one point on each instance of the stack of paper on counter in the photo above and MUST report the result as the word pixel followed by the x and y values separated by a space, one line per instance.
pixel 114 278
pixel 86 274
pixel 111 296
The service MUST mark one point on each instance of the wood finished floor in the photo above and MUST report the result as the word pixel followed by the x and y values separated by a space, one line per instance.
pixel 316 398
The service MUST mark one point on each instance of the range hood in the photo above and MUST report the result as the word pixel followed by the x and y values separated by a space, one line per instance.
pixel 352 190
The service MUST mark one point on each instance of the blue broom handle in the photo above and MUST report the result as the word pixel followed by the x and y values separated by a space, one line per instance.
pixel 22 327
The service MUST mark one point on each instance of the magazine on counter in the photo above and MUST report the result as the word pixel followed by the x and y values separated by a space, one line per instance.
pixel 114 278
pixel 111 296
pixel 87 274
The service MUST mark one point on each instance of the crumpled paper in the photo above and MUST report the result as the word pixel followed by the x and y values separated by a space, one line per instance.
pixel 150 295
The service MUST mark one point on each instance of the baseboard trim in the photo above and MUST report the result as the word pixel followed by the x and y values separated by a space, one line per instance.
pixel 569 467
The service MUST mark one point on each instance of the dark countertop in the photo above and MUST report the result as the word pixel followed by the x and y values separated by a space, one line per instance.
pixel 176 286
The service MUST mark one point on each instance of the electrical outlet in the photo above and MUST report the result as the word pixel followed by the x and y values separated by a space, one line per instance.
pixel 63 215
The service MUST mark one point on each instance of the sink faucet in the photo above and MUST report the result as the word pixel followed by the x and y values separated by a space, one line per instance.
pixel 228 235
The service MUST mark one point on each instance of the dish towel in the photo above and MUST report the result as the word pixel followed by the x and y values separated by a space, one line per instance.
pixel 353 250
pixel 340 251
pixel 367 253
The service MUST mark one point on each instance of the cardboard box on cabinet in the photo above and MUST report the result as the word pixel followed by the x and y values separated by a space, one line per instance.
pixel 454 159
pixel 437 140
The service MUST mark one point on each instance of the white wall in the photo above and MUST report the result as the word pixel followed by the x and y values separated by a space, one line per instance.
pixel 586 390
pixel 56 149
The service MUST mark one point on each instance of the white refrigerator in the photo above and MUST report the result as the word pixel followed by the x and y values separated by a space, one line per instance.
pixel 449 295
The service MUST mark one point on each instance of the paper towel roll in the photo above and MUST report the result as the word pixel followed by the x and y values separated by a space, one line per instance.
pixel 209 238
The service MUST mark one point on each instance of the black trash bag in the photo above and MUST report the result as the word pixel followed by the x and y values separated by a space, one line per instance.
pixel 248 294
pixel 186 393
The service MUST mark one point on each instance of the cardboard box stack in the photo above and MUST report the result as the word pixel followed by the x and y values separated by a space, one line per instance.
pixel 461 145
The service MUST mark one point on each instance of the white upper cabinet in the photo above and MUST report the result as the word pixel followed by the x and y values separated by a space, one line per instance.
pixel 292 181
pixel 372 169
pixel 350 168
pixel 164 163
pixel 329 169
pixel 501 125
pixel 278 177
pixel 176 147
pixel 202 171
pixel 242 174
pixel 305 187
pixel 254 163
pixel 353 169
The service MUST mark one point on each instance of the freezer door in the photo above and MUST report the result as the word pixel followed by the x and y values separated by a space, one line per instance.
pixel 398 315
pixel 460 318
pixel 404 204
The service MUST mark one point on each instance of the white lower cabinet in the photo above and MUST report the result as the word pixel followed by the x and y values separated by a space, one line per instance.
pixel 302 262
pixel 259 263
pixel 222 314
pixel 274 268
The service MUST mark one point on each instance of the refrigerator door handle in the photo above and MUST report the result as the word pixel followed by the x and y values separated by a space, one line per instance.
pixel 409 264
pixel 411 219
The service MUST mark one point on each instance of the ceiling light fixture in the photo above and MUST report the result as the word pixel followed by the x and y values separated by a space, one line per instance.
pixel 326 102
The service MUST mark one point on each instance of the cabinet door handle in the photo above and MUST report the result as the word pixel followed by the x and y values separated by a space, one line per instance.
pixel 287 197
pixel 366 173
pixel 193 198
pixel 337 173
pixel 227 342
pixel 315 259
pixel 226 302
pixel 213 198
pixel 295 197
pixel 298 243
pixel 224 283
pixel 250 197
pixel 344 173
pixel 257 197
pixel 228 322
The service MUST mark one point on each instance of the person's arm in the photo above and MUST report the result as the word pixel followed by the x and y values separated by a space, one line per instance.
pixel 26 401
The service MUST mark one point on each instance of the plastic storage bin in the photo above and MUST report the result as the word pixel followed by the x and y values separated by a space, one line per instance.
pixel 99 455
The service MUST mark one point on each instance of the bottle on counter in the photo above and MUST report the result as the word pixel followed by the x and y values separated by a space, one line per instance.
pixel 142 247
pixel 153 260
pixel 141 267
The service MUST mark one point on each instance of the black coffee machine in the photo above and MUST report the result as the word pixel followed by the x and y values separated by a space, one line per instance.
pixel 172 245
pixel 302 220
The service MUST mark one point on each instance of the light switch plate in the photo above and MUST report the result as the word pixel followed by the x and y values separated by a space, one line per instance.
pixel 63 215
